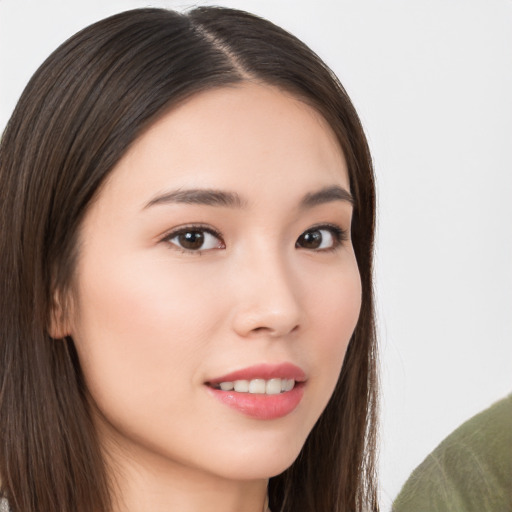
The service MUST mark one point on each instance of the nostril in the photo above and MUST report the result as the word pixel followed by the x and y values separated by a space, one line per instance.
pixel 271 330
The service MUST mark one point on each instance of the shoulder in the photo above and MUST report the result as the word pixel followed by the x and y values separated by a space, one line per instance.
pixel 471 470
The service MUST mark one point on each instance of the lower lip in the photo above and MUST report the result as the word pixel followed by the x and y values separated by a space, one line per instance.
pixel 259 406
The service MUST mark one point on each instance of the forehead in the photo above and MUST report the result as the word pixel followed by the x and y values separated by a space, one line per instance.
pixel 235 137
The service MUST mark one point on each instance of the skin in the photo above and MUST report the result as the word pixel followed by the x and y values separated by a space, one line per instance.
pixel 153 323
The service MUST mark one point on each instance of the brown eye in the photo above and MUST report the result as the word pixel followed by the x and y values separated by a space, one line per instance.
pixel 195 239
pixel 192 240
pixel 321 238
pixel 310 240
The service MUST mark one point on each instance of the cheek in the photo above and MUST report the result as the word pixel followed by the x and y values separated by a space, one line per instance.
pixel 335 310
pixel 141 331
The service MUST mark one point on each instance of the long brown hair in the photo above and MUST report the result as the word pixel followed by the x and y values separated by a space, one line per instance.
pixel 76 118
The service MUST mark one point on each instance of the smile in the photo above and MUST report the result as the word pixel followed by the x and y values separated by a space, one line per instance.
pixel 258 386
pixel 263 392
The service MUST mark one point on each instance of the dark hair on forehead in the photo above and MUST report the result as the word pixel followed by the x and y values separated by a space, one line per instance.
pixel 81 111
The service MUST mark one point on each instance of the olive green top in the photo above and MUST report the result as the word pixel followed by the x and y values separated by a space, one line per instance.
pixel 470 471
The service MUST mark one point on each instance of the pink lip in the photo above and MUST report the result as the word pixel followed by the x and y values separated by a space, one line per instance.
pixel 264 371
pixel 259 406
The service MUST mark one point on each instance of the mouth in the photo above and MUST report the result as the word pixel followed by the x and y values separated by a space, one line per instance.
pixel 256 386
pixel 263 392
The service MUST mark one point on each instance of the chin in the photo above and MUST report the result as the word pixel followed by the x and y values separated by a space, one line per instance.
pixel 260 462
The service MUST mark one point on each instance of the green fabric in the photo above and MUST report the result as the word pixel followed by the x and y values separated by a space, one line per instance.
pixel 470 471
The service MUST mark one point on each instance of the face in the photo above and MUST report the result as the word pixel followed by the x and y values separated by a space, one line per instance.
pixel 218 256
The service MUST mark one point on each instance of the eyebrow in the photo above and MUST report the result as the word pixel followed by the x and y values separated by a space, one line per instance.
pixel 208 197
pixel 326 195
pixel 213 197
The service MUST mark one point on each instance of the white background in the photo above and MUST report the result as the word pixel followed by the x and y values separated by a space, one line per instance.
pixel 432 81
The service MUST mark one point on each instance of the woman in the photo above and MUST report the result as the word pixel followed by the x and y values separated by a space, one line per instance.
pixel 186 302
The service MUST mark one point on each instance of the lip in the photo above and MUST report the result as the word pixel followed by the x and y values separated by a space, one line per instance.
pixel 259 406
pixel 263 371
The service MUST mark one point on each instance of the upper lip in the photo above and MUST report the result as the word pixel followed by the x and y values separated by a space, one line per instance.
pixel 263 371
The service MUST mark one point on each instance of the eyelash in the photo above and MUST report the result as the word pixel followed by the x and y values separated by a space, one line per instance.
pixel 197 228
pixel 338 234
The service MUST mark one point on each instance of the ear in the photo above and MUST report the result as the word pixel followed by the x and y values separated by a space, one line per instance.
pixel 58 324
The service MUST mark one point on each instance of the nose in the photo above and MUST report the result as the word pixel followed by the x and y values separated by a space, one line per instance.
pixel 267 299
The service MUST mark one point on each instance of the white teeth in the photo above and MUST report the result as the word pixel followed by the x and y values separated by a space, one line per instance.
pixel 227 386
pixel 242 386
pixel 274 386
pixel 259 386
pixel 290 383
